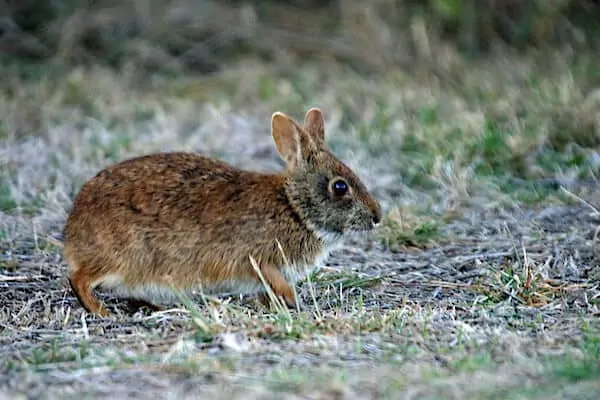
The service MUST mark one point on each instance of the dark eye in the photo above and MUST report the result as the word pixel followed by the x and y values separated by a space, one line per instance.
pixel 339 187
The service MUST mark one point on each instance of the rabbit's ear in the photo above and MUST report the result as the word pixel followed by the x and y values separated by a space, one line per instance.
pixel 293 144
pixel 314 124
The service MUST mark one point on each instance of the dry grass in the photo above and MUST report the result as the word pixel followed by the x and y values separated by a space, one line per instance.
pixel 483 282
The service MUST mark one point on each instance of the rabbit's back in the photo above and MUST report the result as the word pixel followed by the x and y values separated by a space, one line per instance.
pixel 174 190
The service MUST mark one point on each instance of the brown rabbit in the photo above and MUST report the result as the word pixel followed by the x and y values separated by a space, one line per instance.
pixel 182 220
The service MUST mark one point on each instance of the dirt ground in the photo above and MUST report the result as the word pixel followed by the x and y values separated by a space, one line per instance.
pixel 501 300
pixel 418 317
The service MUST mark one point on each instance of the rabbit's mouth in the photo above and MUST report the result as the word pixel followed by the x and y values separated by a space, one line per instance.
pixel 331 236
pixel 359 230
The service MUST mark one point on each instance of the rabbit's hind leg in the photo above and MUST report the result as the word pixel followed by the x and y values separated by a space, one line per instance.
pixel 81 284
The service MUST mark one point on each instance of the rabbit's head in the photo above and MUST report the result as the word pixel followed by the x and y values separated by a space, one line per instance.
pixel 324 191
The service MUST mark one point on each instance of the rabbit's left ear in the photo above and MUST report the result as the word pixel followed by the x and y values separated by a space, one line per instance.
pixel 292 142
pixel 314 124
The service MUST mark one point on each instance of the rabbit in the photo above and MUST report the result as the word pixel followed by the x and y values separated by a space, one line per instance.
pixel 176 220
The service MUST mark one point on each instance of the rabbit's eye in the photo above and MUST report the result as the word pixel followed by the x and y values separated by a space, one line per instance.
pixel 339 187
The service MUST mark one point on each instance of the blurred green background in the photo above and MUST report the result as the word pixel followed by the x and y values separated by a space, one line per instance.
pixel 202 35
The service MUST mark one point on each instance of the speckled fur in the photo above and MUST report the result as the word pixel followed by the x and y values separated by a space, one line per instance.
pixel 187 221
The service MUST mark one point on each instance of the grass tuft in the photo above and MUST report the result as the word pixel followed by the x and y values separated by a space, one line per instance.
pixel 420 232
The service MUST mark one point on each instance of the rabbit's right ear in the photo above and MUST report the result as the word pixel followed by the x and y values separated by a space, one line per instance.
pixel 292 143
pixel 314 124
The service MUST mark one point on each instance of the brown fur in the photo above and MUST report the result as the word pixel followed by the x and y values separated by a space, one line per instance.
pixel 184 220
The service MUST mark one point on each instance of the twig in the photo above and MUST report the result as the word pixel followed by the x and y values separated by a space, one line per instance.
pixel 595 211
pixel 19 278
pixel 484 256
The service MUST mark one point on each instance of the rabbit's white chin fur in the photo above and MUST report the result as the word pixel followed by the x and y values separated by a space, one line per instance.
pixel 330 239
pixel 299 271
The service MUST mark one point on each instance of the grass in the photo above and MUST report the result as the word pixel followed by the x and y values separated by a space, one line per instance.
pixel 397 232
pixel 587 364
pixel 6 201
pixel 481 283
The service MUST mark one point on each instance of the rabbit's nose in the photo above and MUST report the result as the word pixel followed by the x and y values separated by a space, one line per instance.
pixel 376 216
